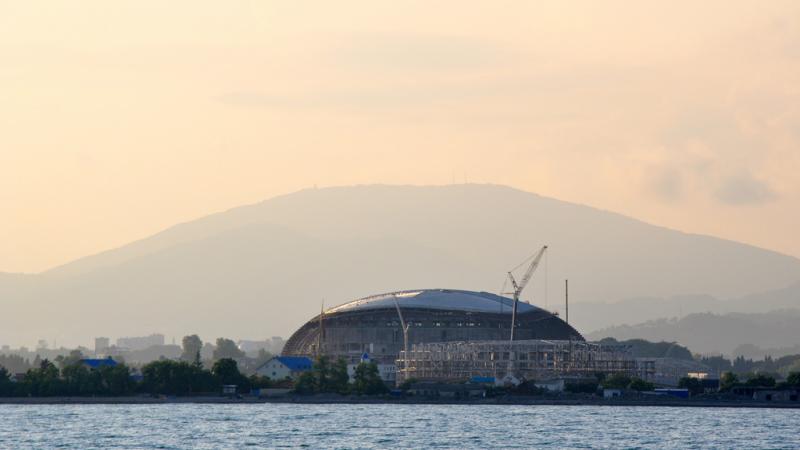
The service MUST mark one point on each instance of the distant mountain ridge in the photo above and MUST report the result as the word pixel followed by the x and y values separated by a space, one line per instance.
pixel 732 334
pixel 263 269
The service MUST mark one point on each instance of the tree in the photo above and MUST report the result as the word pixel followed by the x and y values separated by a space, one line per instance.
pixel 367 380
pixel 44 380
pixel 191 348
pixel 260 382
pixel 638 384
pixel 6 386
pixel 792 380
pixel 227 372
pixel 306 383
pixel 727 381
pixel 116 380
pixel 694 385
pixel 324 377
pixel 760 379
pixel 616 381
pixel 176 378
pixel 226 348
pixel 339 378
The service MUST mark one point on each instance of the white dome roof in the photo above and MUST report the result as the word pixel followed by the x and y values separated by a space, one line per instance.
pixel 445 299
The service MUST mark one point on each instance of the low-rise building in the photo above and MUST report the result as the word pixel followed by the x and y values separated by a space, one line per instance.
pixel 95 363
pixel 611 393
pixel 552 385
pixel 280 367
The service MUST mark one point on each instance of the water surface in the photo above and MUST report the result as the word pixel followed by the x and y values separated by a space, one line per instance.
pixel 190 426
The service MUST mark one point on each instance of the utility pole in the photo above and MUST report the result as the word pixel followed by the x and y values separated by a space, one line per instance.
pixel 404 327
pixel 321 329
pixel 566 298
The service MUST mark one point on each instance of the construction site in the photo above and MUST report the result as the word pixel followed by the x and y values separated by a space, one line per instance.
pixel 456 335
pixel 516 360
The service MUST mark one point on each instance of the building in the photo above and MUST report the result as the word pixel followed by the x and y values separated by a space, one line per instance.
pixel 140 342
pixel 612 393
pixel 552 385
pixel 101 344
pixel 95 363
pixel 669 371
pixel 512 362
pixel 372 324
pixel 280 367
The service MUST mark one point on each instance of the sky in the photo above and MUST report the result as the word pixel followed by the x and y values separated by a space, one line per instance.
pixel 121 118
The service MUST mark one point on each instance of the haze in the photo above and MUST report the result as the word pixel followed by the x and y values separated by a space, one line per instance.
pixel 119 119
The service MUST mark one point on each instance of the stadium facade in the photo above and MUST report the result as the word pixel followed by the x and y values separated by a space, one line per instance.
pixel 372 325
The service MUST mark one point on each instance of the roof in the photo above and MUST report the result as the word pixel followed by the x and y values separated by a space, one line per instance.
pixel 445 299
pixel 295 362
pixel 95 363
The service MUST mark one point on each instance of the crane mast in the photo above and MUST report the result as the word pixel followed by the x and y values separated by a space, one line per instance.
pixel 518 287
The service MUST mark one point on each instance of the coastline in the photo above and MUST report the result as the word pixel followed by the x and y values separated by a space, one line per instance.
pixel 348 400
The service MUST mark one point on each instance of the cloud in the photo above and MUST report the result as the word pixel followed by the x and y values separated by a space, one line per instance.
pixel 414 51
pixel 744 190
pixel 667 184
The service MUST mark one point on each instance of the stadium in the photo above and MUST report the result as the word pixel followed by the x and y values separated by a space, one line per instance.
pixel 372 325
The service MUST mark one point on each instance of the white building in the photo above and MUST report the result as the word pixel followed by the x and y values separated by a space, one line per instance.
pixel 280 367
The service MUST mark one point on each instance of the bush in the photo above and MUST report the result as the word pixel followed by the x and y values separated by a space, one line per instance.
pixel 616 381
pixel 582 387
pixel 367 380
pixel 760 379
pixel 638 384
pixel 694 385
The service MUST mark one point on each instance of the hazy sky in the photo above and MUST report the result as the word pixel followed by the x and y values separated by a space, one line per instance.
pixel 120 118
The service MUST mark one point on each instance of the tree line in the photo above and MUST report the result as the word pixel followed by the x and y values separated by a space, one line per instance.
pixel 165 377
pixel 182 378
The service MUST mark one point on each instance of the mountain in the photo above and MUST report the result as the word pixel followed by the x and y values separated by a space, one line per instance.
pixel 732 334
pixel 263 269
pixel 593 316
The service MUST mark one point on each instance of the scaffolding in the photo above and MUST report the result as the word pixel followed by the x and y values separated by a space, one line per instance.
pixel 524 360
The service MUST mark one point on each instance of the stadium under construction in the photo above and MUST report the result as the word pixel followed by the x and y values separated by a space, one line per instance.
pixel 444 335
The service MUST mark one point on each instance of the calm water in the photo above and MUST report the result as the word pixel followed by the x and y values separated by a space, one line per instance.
pixel 393 426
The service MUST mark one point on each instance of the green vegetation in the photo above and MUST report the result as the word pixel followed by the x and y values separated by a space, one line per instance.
pixel 582 387
pixel 164 377
pixel 692 384
pixel 727 381
pixel 74 379
pixel 367 380
pixel 324 377
pixel 328 377
pixel 621 381
pixel 191 348
pixel 226 348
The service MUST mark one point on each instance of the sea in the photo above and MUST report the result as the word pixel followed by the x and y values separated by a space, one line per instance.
pixel 214 426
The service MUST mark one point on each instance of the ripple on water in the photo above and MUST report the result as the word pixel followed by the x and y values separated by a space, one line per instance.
pixel 392 426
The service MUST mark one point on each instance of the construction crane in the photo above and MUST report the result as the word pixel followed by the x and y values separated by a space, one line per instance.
pixel 518 287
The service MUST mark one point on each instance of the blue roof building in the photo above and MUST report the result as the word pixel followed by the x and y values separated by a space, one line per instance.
pixel 93 363
pixel 280 367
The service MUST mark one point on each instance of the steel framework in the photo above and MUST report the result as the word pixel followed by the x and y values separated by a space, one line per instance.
pixel 524 359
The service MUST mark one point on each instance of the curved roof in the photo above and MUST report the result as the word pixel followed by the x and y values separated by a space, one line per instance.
pixel 445 299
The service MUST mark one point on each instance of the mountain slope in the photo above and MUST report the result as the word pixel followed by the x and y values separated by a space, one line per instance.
pixel 263 269
pixel 714 333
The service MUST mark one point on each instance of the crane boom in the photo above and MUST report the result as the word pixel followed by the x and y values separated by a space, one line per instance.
pixel 518 287
pixel 532 268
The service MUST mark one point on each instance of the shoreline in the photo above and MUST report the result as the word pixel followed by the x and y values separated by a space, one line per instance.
pixel 333 400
